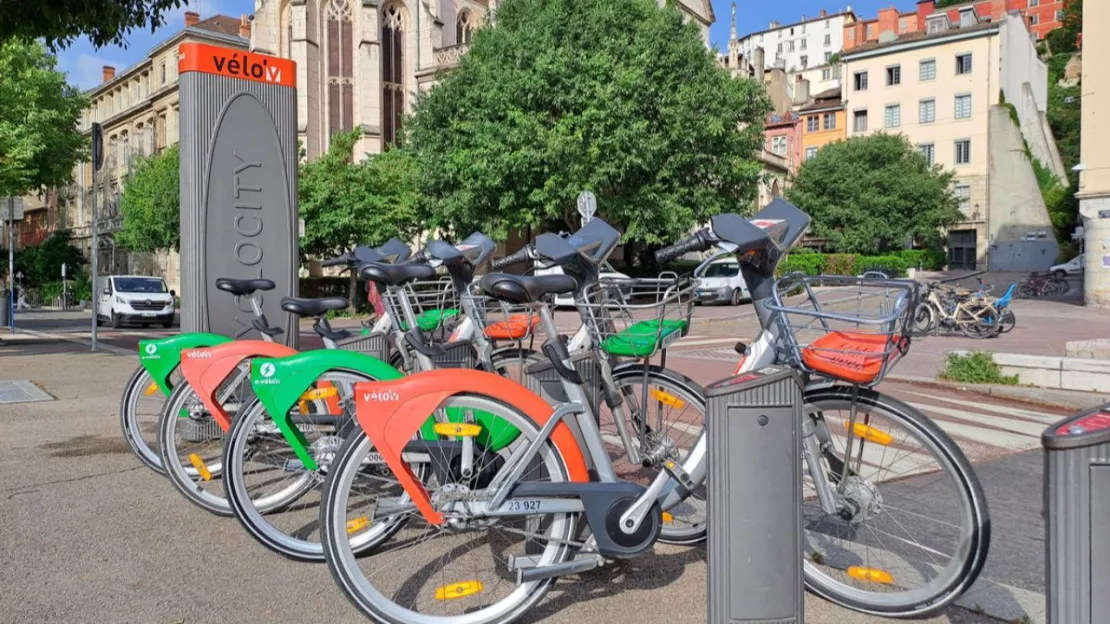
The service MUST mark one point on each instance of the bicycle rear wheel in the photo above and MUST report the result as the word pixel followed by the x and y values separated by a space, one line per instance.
pixel 455 572
pixel 914 531
pixel 139 411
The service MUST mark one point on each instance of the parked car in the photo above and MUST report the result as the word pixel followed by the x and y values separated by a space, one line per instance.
pixel 606 272
pixel 136 299
pixel 721 282
pixel 1071 267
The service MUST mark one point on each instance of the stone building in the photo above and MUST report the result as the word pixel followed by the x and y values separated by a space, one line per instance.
pixel 362 63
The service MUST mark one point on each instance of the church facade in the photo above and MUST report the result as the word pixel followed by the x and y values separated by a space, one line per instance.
pixel 361 63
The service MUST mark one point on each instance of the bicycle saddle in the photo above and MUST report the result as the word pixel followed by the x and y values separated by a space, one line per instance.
pixel 240 287
pixel 396 274
pixel 526 289
pixel 313 307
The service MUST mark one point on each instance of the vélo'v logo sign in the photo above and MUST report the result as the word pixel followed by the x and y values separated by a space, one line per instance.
pixel 247 67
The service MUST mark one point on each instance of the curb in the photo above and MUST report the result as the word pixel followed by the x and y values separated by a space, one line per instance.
pixel 1050 397
pixel 101 346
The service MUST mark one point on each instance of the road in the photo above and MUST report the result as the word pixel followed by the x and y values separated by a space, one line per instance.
pixel 78 510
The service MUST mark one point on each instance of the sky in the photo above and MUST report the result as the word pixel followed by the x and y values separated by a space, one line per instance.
pixel 83 63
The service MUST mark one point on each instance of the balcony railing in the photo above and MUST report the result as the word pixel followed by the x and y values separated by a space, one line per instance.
pixel 450 56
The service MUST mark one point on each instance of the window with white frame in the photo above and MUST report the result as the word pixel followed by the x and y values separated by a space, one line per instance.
pixel 963 151
pixel 963 63
pixel 927 70
pixel 926 150
pixel 813 123
pixel 859 121
pixel 927 112
pixel 893 116
pixel 803 44
pixel 893 75
pixel 828 40
pixel 805 61
pixel 1034 19
pixel 778 145
pixel 826 73
pixel 860 79
pixel 811 152
pixel 829 121
pixel 828 57
pixel 963 106
pixel 1033 3
pixel 962 191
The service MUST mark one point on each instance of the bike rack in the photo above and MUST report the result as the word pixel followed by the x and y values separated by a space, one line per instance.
pixel 1077 506
pixel 754 487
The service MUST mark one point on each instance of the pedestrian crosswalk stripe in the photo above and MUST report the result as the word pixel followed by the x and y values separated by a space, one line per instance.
pixel 1005 410
pixel 1021 427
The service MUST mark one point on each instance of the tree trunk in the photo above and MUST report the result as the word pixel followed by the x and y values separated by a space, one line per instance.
pixel 352 290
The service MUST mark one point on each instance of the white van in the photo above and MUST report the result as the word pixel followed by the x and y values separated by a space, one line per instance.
pixel 605 271
pixel 137 299
pixel 721 282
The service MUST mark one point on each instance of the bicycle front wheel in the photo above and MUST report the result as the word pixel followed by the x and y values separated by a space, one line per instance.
pixel 139 411
pixel 455 572
pixel 273 494
pixel 192 441
pixel 911 529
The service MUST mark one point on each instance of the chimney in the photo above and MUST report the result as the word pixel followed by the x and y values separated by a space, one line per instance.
pixel 824 13
pixel 109 73
pixel 191 18
pixel 801 91
pixel 244 27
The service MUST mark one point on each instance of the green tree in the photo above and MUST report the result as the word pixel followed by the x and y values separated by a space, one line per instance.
pixel 346 204
pixel 39 142
pixel 43 263
pixel 870 194
pixel 150 203
pixel 618 97
pixel 59 22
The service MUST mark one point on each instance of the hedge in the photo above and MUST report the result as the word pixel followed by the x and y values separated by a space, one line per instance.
pixel 893 264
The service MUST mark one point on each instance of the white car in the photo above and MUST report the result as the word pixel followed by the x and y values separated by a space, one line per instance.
pixel 721 282
pixel 607 272
pixel 137 299
pixel 1071 267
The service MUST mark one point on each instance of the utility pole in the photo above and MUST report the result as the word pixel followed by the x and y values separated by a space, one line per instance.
pixel 11 265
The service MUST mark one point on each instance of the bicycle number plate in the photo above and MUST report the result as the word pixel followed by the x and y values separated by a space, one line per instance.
pixel 521 505
pixel 670 339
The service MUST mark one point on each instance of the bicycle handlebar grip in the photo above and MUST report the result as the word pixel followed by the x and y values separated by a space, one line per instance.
pixel 522 255
pixel 338 261
pixel 700 241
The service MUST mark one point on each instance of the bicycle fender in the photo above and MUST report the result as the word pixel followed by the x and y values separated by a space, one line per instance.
pixel 391 412
pixel 280 383
pixel 206 368
pixel 159 356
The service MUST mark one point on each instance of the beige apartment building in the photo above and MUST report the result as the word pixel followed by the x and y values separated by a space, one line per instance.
pixel 942 88
pixel 1094 175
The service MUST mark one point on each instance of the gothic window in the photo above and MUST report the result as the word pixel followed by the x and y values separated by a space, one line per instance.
pixel 464 28
pixel 340 71
pixel 393 77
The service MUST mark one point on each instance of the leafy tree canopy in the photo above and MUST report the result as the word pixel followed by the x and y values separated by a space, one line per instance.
pixel 345 204
pixel 150 203
pixel 59 22
pixel 618 97
pixel 870 194
pixel 43 263
pixel 39 142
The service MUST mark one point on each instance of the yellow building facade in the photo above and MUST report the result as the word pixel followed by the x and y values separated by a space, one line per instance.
pixel 823 122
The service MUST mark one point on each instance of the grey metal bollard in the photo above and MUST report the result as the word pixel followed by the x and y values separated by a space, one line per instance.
pixel 754 429
pixel 1077 518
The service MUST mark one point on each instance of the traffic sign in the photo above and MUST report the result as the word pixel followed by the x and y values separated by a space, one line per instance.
pixel 5 202
pixel 587 206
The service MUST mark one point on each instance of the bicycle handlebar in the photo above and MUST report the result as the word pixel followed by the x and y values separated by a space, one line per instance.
pixel 343 260
pixel 701 240
pixel 524 254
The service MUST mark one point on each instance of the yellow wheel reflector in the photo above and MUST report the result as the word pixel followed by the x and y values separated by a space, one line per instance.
pixel 458 430
pixel 151 389
pixel 201 467
pixel 668 518
pixel 874 575
pixel 666 398
pixel 357 524
pixel 320 393
pixel 870 433
pixel 458 590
